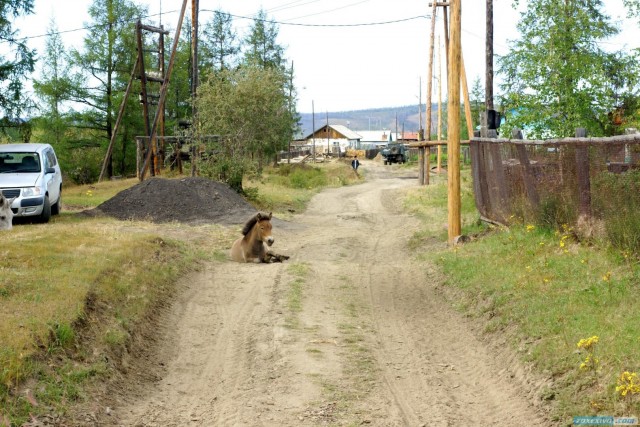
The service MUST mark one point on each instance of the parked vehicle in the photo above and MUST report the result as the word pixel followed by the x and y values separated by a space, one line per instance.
pixel 394 153
pixel 31 178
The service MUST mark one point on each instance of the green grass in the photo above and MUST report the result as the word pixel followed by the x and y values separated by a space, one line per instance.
pixel 545 291
pixel 288 188
pixel 76 197
pixel 53 277
pixel 295 292
pixel 74 289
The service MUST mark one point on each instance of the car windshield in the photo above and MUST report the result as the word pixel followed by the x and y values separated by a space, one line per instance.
pixel 19 162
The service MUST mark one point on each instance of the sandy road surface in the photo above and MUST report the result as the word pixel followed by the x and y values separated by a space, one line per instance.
pixel 337 335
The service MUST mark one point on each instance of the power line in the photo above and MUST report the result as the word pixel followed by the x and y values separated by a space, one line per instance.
pixel 290 5
pixel 331 10
pixel 364 24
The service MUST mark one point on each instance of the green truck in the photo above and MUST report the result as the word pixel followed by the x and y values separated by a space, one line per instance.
pixel 394 153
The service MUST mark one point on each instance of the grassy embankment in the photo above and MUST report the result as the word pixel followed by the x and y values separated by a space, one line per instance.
pixel 551 295
pixel 288 188
pixel 74 291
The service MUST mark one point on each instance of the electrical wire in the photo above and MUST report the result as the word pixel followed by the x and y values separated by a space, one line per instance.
pixel 367 24
pixel 290 5
pixel 270 21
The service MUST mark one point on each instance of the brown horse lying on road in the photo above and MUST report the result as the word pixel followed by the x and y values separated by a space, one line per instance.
pixel 253 247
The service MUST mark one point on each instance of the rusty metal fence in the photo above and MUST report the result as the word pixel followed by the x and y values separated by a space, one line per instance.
pixel 592 184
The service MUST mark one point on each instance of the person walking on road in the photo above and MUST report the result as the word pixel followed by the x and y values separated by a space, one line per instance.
pixel 355 163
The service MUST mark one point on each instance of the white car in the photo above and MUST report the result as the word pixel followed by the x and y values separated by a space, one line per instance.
pixel 30 176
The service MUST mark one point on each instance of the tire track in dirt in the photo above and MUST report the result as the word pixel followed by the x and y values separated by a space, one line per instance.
pixel 372 342
pixel 211 349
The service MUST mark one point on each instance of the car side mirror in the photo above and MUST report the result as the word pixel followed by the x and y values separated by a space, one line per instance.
pixel 50 170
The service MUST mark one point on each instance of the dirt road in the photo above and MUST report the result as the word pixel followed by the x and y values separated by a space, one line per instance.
pixel 349 331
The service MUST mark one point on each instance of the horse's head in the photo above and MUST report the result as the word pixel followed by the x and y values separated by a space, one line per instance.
pixel 6 214
pixel 263 227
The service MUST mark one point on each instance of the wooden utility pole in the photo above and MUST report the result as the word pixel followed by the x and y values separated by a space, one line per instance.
pixel 453 115
pixel 328 152
pixel 313 131
pixel 163 92
pixel 434 11
pixel 439 161
pixel 463 76
pixel 488 84
pixel 194 47
pixel 291 107
pixel 420 109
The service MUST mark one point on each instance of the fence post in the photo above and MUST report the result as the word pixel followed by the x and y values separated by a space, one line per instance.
pixel 427 165
pixel 478 173
pixel 498 176
pixel 582 173
pixel 528 176
pixel 421 165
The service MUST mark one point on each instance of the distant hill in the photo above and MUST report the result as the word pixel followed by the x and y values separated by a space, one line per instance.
pixel 372 119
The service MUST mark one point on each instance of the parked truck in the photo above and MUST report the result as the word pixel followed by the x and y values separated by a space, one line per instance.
pixel 394 153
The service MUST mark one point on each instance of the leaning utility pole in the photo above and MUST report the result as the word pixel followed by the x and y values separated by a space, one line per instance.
pixel 194 48
pixel 453 116
pixel 163 93
pixel 430 73
pixel 439 138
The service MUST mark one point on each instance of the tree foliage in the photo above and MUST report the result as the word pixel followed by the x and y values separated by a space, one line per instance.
pixel 261 45
pixel 54 86
pixel 220 44
pixel 17 65
pixel 250 112
pixel 105 64
pixel 557 77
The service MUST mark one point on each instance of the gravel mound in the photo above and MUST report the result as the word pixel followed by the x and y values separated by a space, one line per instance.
pixel 188 200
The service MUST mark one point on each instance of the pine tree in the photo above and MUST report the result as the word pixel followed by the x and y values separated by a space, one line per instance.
pixel 220 46
pixel 17 64
pixel 556 76
pixel 106 62
pixel 54 86
pixel 261 46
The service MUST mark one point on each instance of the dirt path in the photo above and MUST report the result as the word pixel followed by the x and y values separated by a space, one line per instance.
pixel 336 335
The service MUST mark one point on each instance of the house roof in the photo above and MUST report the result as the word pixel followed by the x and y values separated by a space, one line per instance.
pixel 341 129
pixel 410 136
pixel 378 135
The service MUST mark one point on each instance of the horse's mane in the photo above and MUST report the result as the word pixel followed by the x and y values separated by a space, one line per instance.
pixel 252 221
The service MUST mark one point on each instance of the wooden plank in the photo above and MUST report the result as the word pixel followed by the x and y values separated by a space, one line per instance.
pixel 527 173
pixel 476 167
pixel 488 181
pixel 496 154
pixel 618 139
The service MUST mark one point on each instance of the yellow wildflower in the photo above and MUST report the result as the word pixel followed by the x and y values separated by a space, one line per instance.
pixel 628 383
pixel 588 343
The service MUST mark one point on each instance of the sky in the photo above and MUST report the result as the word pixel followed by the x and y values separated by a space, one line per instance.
pixel 341 60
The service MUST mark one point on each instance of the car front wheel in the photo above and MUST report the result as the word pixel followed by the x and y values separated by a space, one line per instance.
pixel 45 216
pixel 55 208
